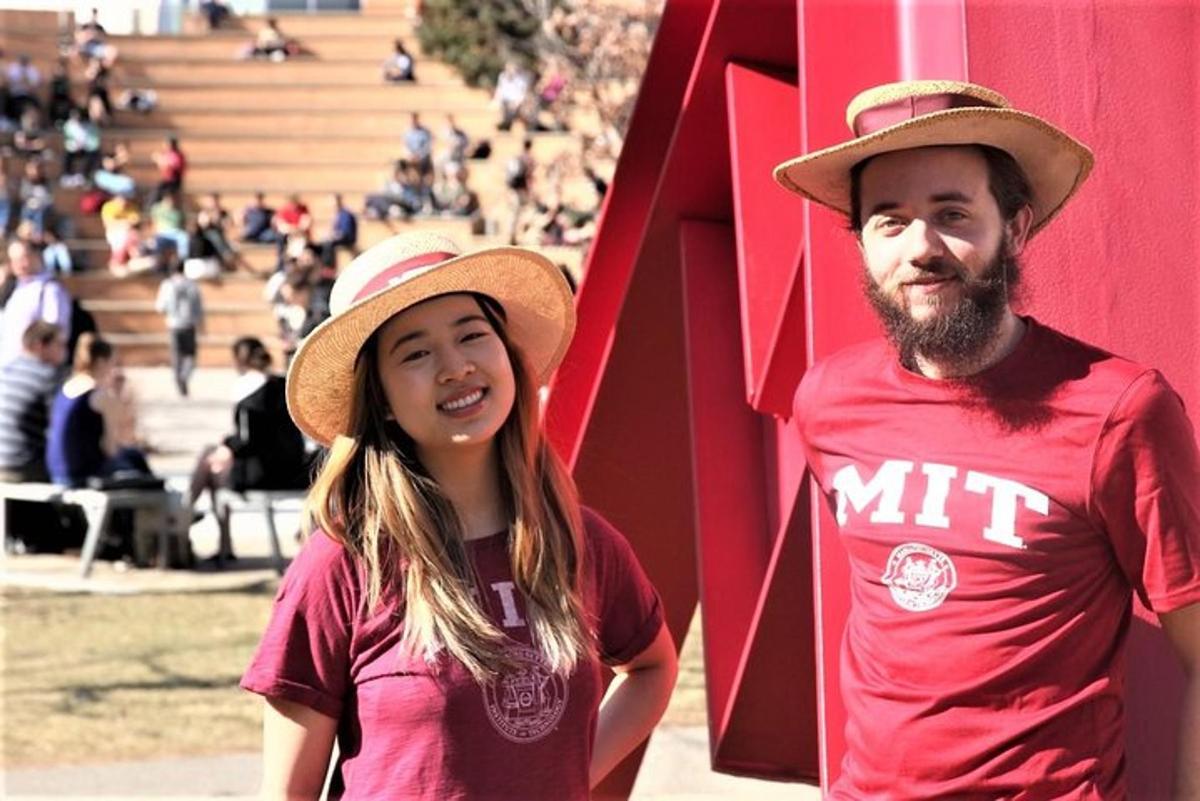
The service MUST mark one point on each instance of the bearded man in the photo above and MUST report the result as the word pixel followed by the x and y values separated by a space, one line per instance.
pixel 1001 488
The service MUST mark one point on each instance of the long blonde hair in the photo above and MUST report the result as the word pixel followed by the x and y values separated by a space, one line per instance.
pixel 374 496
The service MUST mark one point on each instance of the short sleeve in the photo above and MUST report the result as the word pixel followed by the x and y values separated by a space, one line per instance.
pixel 1146 493
pixel 304 656
pixel 628 610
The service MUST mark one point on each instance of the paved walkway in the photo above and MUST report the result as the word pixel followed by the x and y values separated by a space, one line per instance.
pixel 676 766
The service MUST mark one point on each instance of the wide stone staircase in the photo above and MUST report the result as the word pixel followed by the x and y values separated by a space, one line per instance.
pixel 319 123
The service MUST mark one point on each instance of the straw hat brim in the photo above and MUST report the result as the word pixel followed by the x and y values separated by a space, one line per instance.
pixel 539 311
pixel 1055 164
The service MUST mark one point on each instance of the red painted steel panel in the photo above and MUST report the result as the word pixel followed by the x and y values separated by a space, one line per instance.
pixel 771 729
pixel 771 288
pixel 733 534
pixel 626 214
pixel 1118 267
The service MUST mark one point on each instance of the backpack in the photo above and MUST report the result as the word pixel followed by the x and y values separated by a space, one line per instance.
pixel 91 201
pixel 516 173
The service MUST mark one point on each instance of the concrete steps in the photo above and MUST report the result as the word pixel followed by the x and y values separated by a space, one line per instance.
pixel 91 227
pixel 377 44
pixel 347 97
pixel 314 124
pixel 292 121
pixel 397 25
pixel 339 148
pixel 363 67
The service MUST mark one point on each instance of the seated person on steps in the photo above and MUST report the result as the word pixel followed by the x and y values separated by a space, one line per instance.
pixel 265 451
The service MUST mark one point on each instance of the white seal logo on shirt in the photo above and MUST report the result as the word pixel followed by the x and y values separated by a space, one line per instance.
pixel 526 704
pixel 919 577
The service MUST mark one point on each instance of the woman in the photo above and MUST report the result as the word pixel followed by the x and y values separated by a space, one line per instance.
pixel 448 617
pixel 265 451
pixel 80 443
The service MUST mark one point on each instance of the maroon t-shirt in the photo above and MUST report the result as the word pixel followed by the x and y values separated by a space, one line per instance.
pixel 997 528
pixel 407 731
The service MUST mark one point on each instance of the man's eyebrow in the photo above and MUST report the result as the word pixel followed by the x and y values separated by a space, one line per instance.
pixel 951 197
pixel 411 335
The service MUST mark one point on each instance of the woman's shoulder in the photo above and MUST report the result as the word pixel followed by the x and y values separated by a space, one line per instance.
pixel 603 541
pixel 324 566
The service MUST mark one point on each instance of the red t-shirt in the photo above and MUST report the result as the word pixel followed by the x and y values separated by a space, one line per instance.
pixel 995 528
pixel 173 165
pixel 407 732
pixel 291 213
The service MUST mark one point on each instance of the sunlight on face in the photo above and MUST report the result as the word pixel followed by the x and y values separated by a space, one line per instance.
pixel 445 373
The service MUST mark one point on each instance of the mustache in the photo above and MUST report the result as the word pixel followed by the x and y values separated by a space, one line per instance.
pixel 947 268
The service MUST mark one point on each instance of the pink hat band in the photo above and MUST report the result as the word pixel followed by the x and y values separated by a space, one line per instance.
pixel 395 274
pixel 885 115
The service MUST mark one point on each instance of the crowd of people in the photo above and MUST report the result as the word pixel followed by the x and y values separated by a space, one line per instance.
pixel 84 427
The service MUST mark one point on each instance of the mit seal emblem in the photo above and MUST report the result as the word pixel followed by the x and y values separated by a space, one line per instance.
pixel 526 704
pixel 919 577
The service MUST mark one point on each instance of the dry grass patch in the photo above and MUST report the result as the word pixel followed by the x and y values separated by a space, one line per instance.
pixel 96 678
pixel 104 678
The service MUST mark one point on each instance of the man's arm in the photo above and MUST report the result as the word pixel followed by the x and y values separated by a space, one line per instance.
pixel 1183 630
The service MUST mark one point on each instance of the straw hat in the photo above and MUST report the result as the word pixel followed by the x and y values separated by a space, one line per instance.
pixel 909 114
pixel 400 272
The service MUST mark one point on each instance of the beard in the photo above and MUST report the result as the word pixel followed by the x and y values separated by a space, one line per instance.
pixel 960 334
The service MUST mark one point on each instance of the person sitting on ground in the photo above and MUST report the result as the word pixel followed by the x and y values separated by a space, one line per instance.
pixel 6 201
pixel 288 293
pixel 456 142
pixel 111 177
pixel 399 66
pixel 389 202
pixel 293 217
pixel 418 142
pixel 24 82
pixel 136 253
pixel 452 196
pixel 257 218
pixel 56 256
pixel 212 225
pixel 170 225
pixel 265 451
pixel 81 149
pixel 29 140
pixel 36 295
pixel 28 385
pixel 343 233
pixel 215 12
pixel 99 100
pixel 142 101
pixel 60 94
pixel 119 215
pixel 511 95
pixel 550 89
pixel 76 449
pixel 172 166
pixel 89 38
pixel 270 43
pixel 37 200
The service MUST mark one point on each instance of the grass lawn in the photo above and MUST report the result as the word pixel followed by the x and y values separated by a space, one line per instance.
pixel 100 678
pixel 97 678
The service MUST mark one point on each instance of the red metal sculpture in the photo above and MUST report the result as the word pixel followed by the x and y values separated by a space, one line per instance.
pixel 709 290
